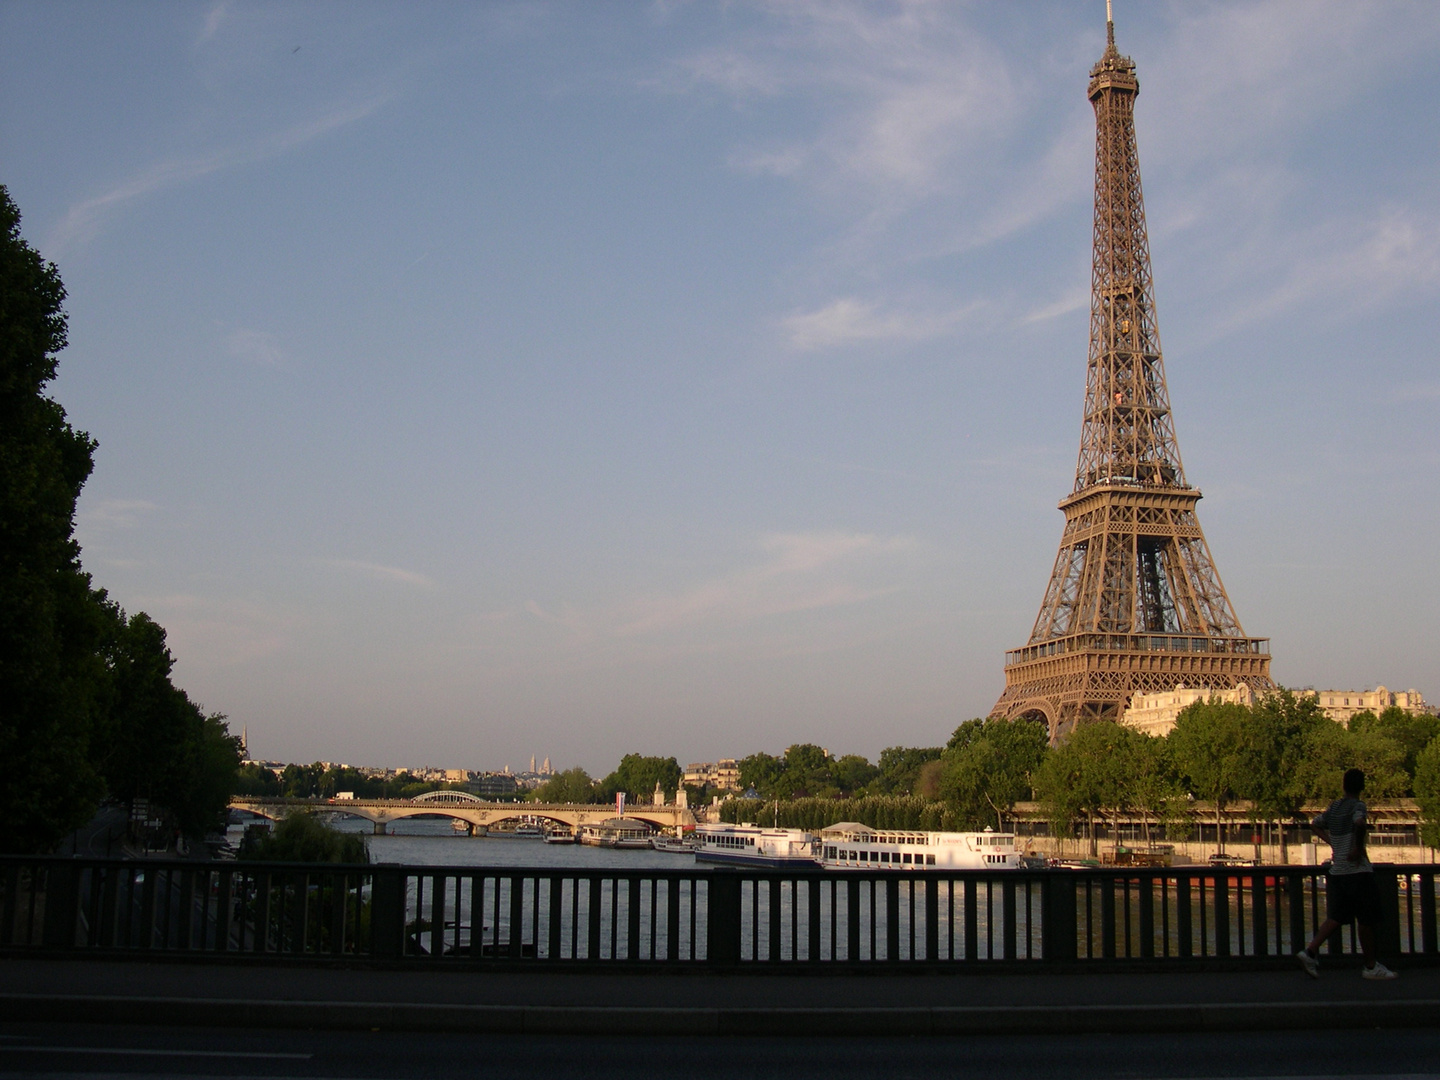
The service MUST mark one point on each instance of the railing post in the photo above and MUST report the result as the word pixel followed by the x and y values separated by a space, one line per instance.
pixel 1222 913
pixel 1107 918
pixel 722 919
pixel 1427 911
pixel 62 883
pixel 1147 917
pixel 932 919
pixel 892 920
pixel 1299 927
pixel 387 913
pixel 1387 931
pixel 1184 888
pixel 1057 930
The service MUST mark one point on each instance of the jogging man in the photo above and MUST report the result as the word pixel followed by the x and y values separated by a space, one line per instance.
pixel 1351 892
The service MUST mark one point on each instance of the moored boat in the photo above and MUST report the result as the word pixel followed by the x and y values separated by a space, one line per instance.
pixel 617 833
pixel 852 846
pixel 752 845
pixel 560 834
pixel 673 845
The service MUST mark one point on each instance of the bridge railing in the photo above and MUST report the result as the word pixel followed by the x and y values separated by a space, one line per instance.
pixel 803 919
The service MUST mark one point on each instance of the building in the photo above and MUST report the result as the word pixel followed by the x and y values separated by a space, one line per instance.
pixel 1342 705
pixel 723 774
pixel 1155 713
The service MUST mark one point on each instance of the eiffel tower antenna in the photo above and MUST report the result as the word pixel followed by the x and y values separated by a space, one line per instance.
pixel 1134 603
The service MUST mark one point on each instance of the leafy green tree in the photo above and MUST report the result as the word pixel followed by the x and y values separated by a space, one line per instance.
pixel 1277 735
pixel 51 621
pixel 1427 792
pixel 1412 733
pixel 852 773
pixel 570 786
pixel 638 775
pixel 900 768
pixel 1155 787
pixel 762 772
pixel 305 838
pixel 253 779
pixel 1210 752
pixel 988 767
pixel 159 745
pixel 1331 749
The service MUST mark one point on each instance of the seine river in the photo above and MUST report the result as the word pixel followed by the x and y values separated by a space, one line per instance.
pixel 432 842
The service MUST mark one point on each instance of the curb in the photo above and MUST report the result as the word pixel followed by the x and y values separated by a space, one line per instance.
pixel 621 1020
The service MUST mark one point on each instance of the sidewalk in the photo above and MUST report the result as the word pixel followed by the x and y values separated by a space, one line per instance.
pixel 254 996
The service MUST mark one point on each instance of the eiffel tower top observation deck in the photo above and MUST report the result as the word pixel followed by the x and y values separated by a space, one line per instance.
pixel 1134 603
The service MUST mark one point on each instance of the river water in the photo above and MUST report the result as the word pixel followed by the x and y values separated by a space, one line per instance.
pixel 433 842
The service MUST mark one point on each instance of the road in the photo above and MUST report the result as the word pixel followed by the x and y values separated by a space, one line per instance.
pixel 79 1050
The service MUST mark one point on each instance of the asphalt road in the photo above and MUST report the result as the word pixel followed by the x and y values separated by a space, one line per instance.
pixel 80 1050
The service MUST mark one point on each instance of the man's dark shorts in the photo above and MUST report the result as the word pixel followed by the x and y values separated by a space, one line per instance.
pixel 1353 898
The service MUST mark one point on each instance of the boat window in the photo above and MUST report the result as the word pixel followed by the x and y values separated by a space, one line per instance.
pixel 905 857
pixel 929 860
pixel 884 856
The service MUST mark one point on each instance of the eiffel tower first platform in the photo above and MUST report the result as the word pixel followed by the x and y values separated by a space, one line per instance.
pixel 1134 603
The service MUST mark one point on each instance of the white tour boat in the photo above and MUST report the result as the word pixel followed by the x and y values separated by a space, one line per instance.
pixel 852 846
pixel 751 845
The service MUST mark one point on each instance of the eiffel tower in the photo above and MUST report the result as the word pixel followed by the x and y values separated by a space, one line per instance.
pixel 1134 603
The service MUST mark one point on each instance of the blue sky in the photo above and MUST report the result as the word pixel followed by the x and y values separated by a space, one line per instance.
pixel 474 381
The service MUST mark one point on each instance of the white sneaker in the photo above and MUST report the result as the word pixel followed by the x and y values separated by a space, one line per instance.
pixel 1310 963
pixel 1378 970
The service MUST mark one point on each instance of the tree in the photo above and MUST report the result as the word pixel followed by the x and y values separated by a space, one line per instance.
pixel 570 786
pixel 852 773
pixel 305 838
pixel 1209 747
pixel 900 768
pixel 1277 736
pixel 638 775
pixel 1427 792
pixel 1411 732
pixel 762 772
pixel 988 767
pixel 51 620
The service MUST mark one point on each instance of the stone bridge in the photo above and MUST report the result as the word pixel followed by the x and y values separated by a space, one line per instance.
pixel 462 806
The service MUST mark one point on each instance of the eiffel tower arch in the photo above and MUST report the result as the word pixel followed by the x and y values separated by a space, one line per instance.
pixel 1134 603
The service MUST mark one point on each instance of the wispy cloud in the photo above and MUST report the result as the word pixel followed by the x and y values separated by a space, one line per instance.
pixel 799 572
pixel 849 321
pixel 213 18
pixel 255 347
pixel 381 572
pixel 219 632
pixel 116 513
pixel 84 219
pixel 1074 300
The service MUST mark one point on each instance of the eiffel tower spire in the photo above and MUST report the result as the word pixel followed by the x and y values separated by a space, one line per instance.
pixel 1134 602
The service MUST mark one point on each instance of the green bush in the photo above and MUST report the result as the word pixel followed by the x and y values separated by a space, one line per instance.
pixel 305 838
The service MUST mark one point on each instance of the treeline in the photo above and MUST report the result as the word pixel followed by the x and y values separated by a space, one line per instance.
pixel 89 708
pixel 319 781
pixel 1277 756
pixel 637 775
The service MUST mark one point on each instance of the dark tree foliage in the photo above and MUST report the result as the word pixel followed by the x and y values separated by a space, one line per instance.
pixel 50 620
pixel 86 703
pixel 304 838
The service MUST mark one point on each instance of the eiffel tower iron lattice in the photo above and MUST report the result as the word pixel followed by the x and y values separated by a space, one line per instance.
pixel 1134 602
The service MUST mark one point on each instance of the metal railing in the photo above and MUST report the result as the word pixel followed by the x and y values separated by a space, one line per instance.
pixel 805 919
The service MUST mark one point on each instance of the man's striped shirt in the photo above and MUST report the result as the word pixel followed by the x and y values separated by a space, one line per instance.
pixel 1343 819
